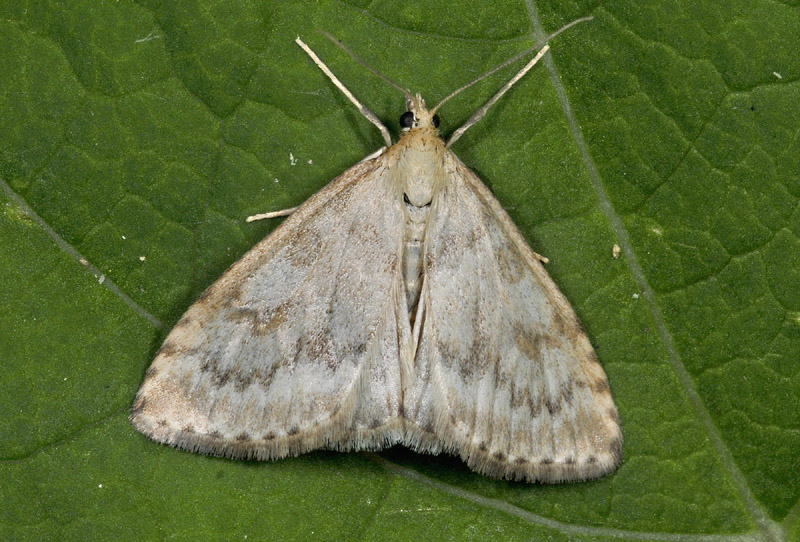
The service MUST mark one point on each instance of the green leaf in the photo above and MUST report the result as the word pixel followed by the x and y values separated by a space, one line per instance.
pixel 136 137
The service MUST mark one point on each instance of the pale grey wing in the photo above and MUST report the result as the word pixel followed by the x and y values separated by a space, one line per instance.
pixel 505 375
pixel 296 346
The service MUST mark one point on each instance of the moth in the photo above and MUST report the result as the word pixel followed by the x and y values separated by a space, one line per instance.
pixel 398 305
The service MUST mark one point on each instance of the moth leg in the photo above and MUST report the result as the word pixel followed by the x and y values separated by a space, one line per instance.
pixel 287 212
pixel 273 214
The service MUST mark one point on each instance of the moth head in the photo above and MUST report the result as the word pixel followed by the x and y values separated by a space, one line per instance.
pixel 417 115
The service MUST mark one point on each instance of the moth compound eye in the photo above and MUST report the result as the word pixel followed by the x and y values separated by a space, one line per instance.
pixel 436 121
pixel 407 119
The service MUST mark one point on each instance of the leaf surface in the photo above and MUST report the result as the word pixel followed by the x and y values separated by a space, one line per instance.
pixel 137 136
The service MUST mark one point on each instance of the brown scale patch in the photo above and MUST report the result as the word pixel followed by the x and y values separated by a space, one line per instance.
pixel 472 239
pixel 577 325
pixel 374 424
pixel 293 431
pixel 500 377
pixel 262 324
pixel 535 407
pixel 233 291
pixel 482 447
pixel 479 358
pixel 304 249
pixel 509 265
pixel 570 460
pixel 244 315
pixel 359 349
pixel 208 292
pixel 567 393
pixel 221 378
pixel 269 436
pixel 265 379
pixel 613 414
pixel 319 348
pixel 191 352
pixel 591 459
pixel 215 434
pixel 553 407
pixel 168 349
pixel 151 372
pixel 591 357
pixel 447 352
pixel 162 423
pixel 138 405
pixel 242 382
pixel 600 386
pixel 276 319
pixel 559 323
pixel 529 343
pixel 521 399
pixel 188 428
pixel 615 448
pixel 368 233
pixel 520 461
pixel 546 461
pixel 241 437
pixel 500 456
pixel 184 322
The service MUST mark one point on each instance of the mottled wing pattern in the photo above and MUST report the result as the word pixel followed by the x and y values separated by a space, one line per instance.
pixel 286 352
pixel 505 375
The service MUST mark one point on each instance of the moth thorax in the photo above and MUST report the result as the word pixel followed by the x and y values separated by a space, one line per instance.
pixel 418 171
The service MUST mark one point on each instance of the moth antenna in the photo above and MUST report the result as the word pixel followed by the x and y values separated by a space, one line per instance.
pixel 511 60
pixel 358 59
pixel 479 114
pixel 367 112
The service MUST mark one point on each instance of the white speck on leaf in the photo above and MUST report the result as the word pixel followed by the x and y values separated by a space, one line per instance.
pixel 150 36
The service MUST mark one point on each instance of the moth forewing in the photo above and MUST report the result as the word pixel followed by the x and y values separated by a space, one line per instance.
pixel 283 354
pixel 399 304
pixel 514 385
